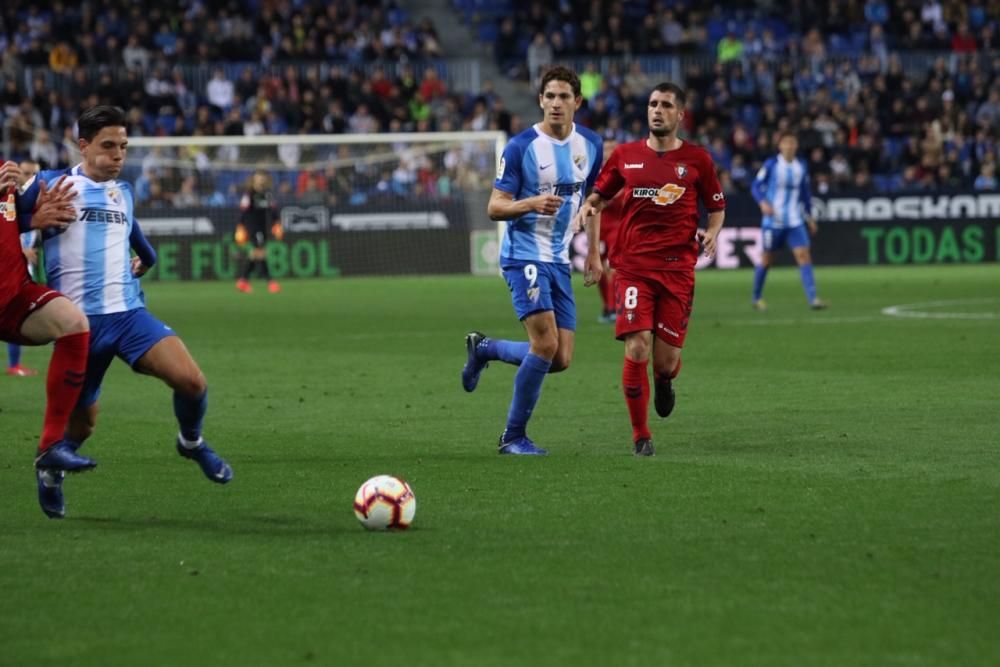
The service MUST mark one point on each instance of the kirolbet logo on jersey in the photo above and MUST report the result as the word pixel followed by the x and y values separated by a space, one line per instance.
pixel 8 208
pixel 664 196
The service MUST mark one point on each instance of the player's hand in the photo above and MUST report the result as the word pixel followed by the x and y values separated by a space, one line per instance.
pixel 582 217
pixel 707 240
pixel 593 270
pixel 546 204
pixel 138 268
pixel 813 227
pixel 766 208
pixel 54 207
pixel 9 173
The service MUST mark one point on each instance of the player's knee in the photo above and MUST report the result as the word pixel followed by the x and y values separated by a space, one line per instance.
pixel 637 348
pixel 192 386
pixel 74 323
pixel 559 364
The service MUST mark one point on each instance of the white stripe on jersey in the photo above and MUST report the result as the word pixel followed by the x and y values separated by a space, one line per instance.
pixel 545 156
pixel 90 261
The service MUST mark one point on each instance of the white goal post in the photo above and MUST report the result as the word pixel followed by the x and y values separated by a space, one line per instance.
pixel 350 204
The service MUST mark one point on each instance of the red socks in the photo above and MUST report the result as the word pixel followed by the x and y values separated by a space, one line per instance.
pixel 635 384
pixel 63 385
pixel 607 287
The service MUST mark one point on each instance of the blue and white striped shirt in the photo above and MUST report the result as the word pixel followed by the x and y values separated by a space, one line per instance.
pixel 534 163
pixel 90 262
pixel 784 185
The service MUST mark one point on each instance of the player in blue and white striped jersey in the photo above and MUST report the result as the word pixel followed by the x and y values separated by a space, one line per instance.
pixel 543 177
pixel 781 188
pixel 90 262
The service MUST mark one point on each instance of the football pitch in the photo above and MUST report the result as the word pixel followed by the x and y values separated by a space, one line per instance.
pixel 827 491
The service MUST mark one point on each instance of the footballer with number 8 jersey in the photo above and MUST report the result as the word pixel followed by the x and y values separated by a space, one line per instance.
pixel 663 178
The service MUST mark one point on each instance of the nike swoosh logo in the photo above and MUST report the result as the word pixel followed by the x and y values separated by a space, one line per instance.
pixel 545 166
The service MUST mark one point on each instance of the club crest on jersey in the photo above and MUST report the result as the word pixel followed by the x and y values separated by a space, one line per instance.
pixel 114 196
pixel 681 171
pixel 579 161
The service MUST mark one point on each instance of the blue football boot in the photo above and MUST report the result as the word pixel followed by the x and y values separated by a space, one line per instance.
pixel 473 364
pixel 63 456
pixel 522 446
pixel 50 495
pixel 211 463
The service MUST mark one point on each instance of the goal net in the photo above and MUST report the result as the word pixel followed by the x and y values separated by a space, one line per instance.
pixel 380 204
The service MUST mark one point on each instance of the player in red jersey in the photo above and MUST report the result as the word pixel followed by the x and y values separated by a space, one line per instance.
pixel 663 179
pixel 32 314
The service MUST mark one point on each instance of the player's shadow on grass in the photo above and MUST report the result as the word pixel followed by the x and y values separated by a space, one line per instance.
pixel 242 525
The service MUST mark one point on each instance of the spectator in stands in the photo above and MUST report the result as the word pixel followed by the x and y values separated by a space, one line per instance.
pixel 730 47
pixel 220 91
pixel 986 180
pixel 539 57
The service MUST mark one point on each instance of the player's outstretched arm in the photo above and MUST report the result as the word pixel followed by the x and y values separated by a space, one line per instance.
pixel 53 208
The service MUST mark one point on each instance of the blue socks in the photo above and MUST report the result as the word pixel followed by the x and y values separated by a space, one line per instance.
pixel 507 351
pixel 527 388
pixel 759 276
pixel 808 281
pixel 13 355
pixel 190 413
pixel 805 273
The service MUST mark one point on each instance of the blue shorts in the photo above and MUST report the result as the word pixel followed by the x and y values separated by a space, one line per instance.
pixel 776 239
pixel 541 286
pixel 127 335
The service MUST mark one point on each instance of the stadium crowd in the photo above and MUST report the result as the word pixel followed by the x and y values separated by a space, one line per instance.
pixel 840 74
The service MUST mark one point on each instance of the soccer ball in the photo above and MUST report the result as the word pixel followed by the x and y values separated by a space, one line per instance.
pixel 385 502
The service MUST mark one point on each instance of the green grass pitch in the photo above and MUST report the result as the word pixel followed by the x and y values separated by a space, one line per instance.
pixel 827 491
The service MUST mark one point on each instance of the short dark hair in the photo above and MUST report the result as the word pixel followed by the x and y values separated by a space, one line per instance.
pixel 560 73
pixel 788 133
pixel 668 87
pixel 96 118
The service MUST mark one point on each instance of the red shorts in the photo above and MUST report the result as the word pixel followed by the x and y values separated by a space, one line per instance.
pixel 14 310
pixel 657 301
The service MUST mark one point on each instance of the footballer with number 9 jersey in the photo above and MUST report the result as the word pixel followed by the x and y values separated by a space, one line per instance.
pixel 663 178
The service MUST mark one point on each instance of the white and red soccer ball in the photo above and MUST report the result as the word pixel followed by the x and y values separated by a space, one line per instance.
pixel 385 503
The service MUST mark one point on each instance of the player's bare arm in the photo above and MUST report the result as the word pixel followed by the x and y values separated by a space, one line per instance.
pixel 813 227
pixel 591 207
pixel 707 237
pixel 766 208
pixel 503 206
pixel 594 266
pixel 54 208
